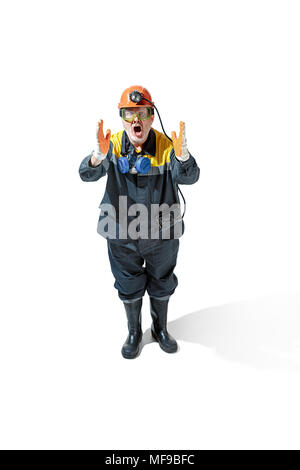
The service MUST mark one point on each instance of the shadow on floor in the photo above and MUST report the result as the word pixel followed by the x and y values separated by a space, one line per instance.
pixel 263 333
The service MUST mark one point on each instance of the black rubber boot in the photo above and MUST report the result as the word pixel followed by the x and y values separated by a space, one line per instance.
pixel 131 347
pixel 159 311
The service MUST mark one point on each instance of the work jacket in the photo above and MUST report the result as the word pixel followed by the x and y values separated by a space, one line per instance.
pixel 154 190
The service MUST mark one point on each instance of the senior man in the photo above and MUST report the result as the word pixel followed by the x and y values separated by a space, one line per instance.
pixel 143 168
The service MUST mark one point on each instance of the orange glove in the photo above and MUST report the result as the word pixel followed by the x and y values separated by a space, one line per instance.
pixel 179 143
pixel 102 143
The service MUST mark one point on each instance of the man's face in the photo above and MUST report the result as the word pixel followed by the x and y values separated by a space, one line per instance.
pixel 139 128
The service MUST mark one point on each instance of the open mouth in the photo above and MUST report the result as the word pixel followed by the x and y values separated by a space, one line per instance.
pixel 137 130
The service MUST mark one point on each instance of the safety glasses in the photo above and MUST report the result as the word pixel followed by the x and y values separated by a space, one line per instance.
pixel 129 114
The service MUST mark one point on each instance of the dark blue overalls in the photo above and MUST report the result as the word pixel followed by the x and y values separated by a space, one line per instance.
pixel 133 278
pixel 144 263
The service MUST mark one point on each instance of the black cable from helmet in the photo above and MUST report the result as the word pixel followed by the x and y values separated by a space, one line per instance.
pixel 136 96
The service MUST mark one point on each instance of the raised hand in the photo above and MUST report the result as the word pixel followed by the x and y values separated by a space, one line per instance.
pixel 179 143
pixel 102 142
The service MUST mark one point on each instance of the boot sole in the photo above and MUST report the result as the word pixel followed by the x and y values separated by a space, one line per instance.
pixel 127 356
pixel 170 351
pixel 132 356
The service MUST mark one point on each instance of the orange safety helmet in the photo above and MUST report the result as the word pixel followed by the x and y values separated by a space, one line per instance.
pixel 125 101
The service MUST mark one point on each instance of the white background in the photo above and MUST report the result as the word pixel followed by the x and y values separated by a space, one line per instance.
pixel 230 70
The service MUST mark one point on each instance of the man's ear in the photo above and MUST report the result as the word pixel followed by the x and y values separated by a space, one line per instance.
pixel 152 118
